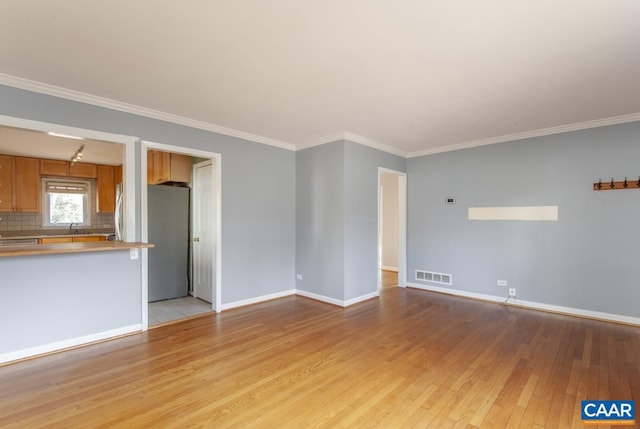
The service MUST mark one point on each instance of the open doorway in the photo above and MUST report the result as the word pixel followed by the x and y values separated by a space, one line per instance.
pixel 181 214
pixel 391 229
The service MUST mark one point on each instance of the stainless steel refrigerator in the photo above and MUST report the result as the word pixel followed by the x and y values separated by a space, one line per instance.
pixel 168 209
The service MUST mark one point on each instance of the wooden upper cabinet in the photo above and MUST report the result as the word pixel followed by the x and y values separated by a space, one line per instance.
pixel 150 168
pixel 106 189
pixel 180 168
pixel 6 183
pixel 54 167
pixel 82 169
pixel 163 167
pixel 118 173
pixel 27 184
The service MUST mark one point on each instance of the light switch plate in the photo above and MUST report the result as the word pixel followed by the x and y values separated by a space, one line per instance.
pixel 133 254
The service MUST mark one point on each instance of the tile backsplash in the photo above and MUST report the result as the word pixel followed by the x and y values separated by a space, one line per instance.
pixel 11 222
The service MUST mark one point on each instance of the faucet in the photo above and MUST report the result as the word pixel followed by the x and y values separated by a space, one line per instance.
pixel 71 226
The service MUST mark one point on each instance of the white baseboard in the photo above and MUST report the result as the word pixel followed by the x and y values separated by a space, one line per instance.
pixel 571 311
pixel 388 268
pixel 360 298
pixel 257 299
pixel 318 297
pixel 334 301
pixel 65 344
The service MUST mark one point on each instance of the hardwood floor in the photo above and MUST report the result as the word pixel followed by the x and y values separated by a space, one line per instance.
pixel 409 359
pixel 388 278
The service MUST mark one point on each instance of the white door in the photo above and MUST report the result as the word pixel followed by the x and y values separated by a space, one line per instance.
pixel 204 231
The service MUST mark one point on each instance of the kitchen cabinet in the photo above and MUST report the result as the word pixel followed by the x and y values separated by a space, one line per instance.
pixel 118 174
pixel 85 238
pixel 54 167
pixel 6 183
pixel 84 170
pixel 50 240
pixel 150 168
pixel 105 189
pixel 19 184
pixel 78 239
pixel 27 184
pixel 164 167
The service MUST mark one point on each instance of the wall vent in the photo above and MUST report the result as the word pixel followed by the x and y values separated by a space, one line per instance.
pixel 430 276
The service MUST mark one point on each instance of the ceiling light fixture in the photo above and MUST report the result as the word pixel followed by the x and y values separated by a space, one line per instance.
pixel 77 157
pixel 66 136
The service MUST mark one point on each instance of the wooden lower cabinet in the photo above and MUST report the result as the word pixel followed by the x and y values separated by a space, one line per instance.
pixel 50 240
pixel 89 238
pixel 78 239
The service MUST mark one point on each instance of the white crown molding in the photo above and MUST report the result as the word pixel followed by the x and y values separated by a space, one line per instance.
pixel 82 97
pixel 615 120
pixel 69 94
pixel 320 141
pixel 353 138
pixel 374 144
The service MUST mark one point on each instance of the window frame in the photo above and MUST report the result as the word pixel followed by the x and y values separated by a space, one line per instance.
pixel 46 201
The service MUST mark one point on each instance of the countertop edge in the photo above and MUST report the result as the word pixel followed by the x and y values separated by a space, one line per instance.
pixel 78 247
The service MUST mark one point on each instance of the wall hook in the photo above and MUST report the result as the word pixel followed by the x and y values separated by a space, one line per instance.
pixel 612 185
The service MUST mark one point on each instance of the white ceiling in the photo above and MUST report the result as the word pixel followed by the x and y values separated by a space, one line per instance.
pixel 415 75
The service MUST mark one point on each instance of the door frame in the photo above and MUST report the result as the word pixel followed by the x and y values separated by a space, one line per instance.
pixel 402 226
pixel 147 145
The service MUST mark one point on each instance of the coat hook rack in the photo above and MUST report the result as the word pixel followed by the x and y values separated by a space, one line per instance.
pixel 611 185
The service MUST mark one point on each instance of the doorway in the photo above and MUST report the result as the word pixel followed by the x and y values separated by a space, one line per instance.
pixel 202 265
pixel 391 228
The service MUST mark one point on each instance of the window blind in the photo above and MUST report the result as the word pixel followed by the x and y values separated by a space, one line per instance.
pixel 66 187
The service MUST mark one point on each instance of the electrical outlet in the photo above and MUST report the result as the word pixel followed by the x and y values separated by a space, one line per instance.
pixel 299 276
pixel 512 292
pixel 502 282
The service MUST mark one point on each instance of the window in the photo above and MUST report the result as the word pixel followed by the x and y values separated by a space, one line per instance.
pixel 66 202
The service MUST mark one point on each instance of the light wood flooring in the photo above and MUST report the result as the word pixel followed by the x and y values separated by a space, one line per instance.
pixel 408 359
pixel 389 279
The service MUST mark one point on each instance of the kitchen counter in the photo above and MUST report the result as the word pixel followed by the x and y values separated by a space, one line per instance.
pixel 80 247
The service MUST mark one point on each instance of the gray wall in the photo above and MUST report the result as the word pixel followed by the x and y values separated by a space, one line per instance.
pixel 46 299
pixel 586 260
pixel 258 187
pixel 337 218
pixel 361 215
pixel 320 219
